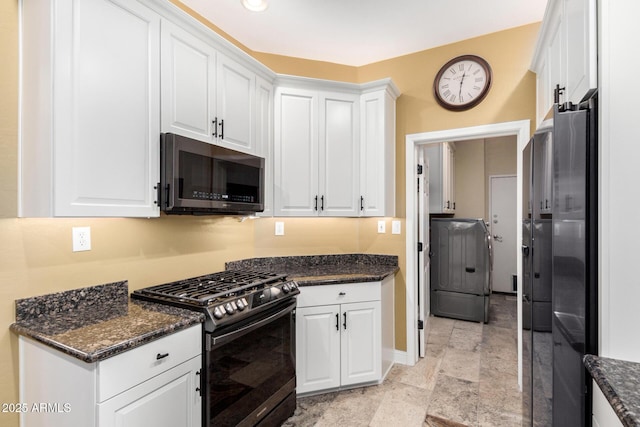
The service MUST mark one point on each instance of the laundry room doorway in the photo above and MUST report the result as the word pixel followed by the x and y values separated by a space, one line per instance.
pixel 414 144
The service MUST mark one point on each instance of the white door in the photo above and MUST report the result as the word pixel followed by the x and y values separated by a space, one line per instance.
pixel 296 153
pixel 339 155
pixel 360 342
pixel 106 81
pixel 318 348
pixel 423 257
pixel 235 87
pixel 503 226
pixel 188 68
pixel 166 400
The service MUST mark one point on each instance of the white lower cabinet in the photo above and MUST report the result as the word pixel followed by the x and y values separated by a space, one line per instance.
pixel 340 339
pixel 603 413
pixel 155 384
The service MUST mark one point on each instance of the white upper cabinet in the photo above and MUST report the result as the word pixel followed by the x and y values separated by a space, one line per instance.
pixel 205 95
pixel 296 152
pixel 377 152
pixel 441 178
pixel 236 87
pixel 565 55
pixel 339 154
pixel 89 136
pixel 334 149
pixel 188 84
pixel 264 138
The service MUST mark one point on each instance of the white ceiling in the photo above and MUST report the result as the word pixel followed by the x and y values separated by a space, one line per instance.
pixel 359 32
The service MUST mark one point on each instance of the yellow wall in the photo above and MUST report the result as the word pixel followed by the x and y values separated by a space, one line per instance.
pixel 475 162
pixel 36 257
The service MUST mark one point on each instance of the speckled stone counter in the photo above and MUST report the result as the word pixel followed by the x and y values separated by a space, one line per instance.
pixel 97 322
pixel 311 270
pixel 619 381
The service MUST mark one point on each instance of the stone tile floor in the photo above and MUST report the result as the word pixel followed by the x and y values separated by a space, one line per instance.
pixel 468 378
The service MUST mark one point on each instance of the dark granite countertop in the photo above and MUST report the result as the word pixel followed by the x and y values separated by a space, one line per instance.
pixel 97 322
pixel 310 270
pixel 619 381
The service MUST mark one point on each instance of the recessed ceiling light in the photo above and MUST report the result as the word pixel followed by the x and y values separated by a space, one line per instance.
pixel 255 5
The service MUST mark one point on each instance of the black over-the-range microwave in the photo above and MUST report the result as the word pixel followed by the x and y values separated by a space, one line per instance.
pixel 205 179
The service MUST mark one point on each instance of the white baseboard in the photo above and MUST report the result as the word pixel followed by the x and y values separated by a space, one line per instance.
pixel 400 357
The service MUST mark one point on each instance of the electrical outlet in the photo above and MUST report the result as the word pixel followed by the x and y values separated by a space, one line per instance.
pixel 81 238
pixel 381 226
pixel 279 228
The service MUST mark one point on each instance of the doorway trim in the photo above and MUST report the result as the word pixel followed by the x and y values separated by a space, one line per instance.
pixel 521 129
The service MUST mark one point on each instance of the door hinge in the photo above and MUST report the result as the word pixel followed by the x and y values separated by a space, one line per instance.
pixel 158 201
pixel 420 324
pixel 420 247
pixel 419 169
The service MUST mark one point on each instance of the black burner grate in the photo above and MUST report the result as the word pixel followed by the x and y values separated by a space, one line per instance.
pixel 203 290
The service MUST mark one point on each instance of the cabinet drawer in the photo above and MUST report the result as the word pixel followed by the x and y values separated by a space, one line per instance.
pixel 338 294
pixel 128 369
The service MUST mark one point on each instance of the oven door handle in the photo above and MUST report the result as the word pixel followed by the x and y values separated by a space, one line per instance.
pixel 230 336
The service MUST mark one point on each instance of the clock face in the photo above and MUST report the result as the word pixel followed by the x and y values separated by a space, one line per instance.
pixel 462 82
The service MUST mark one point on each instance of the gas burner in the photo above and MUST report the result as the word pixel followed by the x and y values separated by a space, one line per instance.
pixel 224 297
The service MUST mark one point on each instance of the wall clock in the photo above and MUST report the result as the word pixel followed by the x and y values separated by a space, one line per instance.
pixel 462 83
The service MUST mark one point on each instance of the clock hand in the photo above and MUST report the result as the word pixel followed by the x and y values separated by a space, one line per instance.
pixel 461 81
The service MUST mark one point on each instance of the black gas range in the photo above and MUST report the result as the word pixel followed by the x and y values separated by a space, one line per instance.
pixel 248 358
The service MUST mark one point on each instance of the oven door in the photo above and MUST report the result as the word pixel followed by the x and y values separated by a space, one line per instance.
pixel 250 370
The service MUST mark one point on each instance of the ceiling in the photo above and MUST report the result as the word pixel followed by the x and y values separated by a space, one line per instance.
pixel 359 32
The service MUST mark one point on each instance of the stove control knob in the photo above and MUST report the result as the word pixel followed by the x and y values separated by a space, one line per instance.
pixel 229 308
pixel 244 301
pixel 286 288
pixel 218 312
pixel 240 305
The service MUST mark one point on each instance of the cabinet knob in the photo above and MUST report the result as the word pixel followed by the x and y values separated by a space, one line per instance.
pixel 160 356
pixel 342 294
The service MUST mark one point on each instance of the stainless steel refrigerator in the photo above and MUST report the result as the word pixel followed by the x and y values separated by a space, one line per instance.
pixel 556 386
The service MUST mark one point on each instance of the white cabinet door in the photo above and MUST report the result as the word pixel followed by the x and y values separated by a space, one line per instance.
pixel 449 177
pixel 317 348
pixel 377 154
pixel 296 153
pixel 360 342
pixel 580 24
pixel 556 52
pixel 339 155
pixel 205 95
pixel 264 138
pixel 566 54
pixel 188 84
pixel 235 105
pixel 441 178
pixel 167 400
pixel 90 108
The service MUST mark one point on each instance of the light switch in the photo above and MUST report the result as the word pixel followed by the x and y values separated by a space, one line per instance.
pixel 381 226
pixel 395 227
